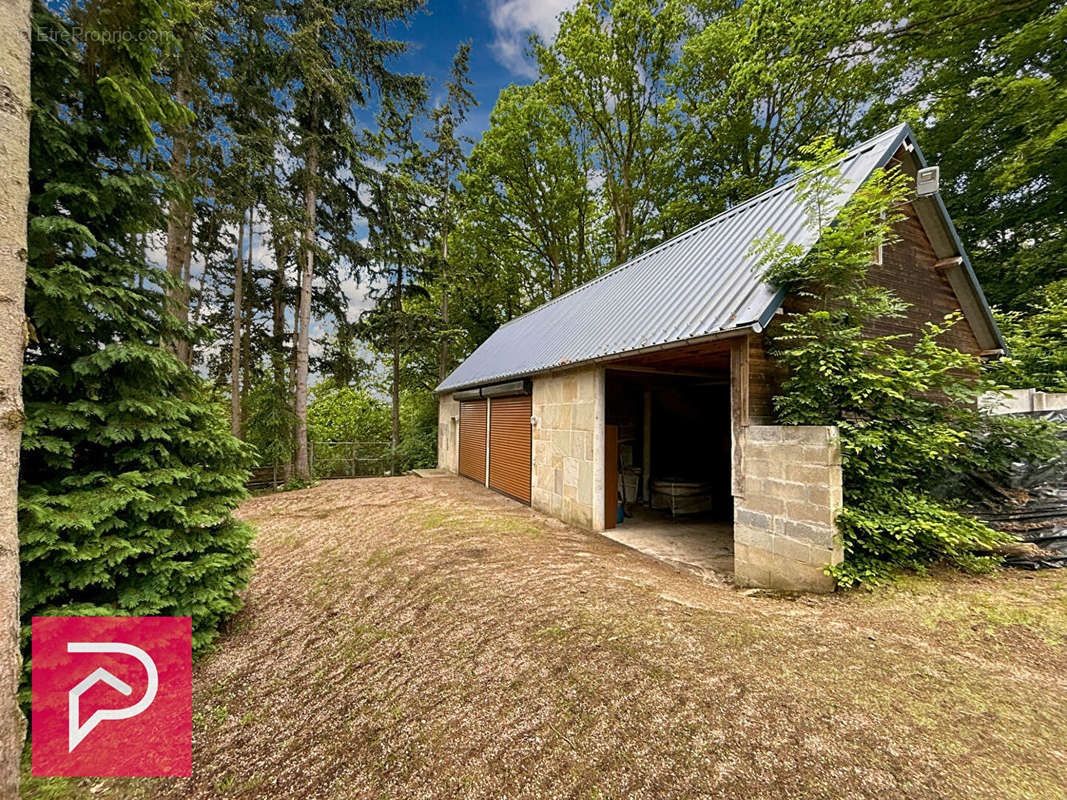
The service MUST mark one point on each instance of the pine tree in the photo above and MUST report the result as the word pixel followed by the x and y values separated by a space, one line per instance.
pixel 397 233
pixel 129 474
pixel 446 161
pixel 341 61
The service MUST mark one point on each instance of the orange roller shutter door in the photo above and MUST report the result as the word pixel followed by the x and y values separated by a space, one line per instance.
pixel 472 419
pixel 510 446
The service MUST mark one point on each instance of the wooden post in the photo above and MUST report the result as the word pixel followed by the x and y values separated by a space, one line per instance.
pixel 646 450
pixel 611 475
pixel 739 418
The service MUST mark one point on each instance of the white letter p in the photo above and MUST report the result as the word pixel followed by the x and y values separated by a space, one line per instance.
pixel 76 732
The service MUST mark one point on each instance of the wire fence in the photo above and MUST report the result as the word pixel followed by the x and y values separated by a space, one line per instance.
pixel 351 459
pixel 331 460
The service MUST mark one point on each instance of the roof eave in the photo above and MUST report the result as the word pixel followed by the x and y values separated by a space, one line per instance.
pixel 747 327
pixel 966 285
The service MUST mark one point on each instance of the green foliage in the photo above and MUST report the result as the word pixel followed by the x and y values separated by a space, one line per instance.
pixel 909 530
pixel 418 431
pixel 346 414
pixel 529 205
pixel 986 82
pixel 905 404
pixel 349 414
pixel 270 420
pixel 128 475
pixel 607 72
pixel 1037 343
pixel 757 79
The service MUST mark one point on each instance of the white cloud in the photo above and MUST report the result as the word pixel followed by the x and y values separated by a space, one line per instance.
pixel 514 20
pixel 359 299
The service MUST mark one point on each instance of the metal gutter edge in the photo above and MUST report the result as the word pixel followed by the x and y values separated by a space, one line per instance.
pixel 740 330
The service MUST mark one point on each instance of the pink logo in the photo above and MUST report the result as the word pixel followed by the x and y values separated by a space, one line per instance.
pixel 112 696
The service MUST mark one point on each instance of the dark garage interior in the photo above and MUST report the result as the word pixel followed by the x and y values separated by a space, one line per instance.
pixel 667 441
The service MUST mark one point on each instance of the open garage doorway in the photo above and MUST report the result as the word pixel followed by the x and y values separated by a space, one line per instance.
pixel 668 459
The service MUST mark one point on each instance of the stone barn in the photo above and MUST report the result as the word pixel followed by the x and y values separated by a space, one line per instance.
pixel 640 403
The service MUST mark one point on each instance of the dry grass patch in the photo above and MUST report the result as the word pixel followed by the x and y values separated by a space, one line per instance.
pixel 418 638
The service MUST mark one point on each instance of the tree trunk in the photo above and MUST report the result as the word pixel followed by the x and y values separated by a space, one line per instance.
pixel 187 274
pixel 235 342
pixel 180 218
pixel 292 350
pixel 277 301
pixel 14 177
pixel 442 371
pixel 246 331
pixel 303 466
pixel 398 310
pixel 277 331
pixel 290 468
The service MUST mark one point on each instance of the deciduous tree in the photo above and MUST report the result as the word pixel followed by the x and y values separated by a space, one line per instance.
pixel 608 66
pixel 756 81
pixel 986 82
pixel 530 199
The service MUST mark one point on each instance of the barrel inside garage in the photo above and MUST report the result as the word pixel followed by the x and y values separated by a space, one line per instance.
pixel 497 416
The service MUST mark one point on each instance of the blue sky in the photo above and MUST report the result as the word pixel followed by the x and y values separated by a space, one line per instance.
pixel 498 31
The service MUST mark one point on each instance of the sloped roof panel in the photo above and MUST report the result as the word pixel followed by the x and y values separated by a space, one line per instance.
pixel 700 283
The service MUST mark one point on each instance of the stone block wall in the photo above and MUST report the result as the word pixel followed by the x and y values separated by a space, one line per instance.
pixel 1021 401
pixel 785 532
pixel 448 433
pixel 568 446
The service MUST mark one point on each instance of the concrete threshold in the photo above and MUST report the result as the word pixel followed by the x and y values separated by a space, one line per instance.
pixel 696 544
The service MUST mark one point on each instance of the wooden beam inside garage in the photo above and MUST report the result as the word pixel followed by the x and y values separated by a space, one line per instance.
pixel 739 411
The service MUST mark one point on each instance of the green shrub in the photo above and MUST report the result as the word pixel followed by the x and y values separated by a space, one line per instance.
pixel 1037 343
pixel 269 420
pixel 905 404
pixel 346 414
pixel 418 431
pixel 908 530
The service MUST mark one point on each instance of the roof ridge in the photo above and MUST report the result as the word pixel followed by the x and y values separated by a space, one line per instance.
pixel 722 216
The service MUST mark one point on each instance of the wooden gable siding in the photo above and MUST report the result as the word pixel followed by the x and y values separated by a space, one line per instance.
pixel 764 378
pixel 907 269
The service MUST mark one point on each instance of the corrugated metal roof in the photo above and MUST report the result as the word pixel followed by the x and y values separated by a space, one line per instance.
pixel 699 283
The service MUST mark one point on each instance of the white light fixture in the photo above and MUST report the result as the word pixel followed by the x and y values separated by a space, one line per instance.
pixel 927 181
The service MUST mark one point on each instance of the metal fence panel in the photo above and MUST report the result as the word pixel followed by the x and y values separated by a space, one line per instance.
pixel 351 459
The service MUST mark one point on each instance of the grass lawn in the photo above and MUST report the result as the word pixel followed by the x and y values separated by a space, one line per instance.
pixel 428 638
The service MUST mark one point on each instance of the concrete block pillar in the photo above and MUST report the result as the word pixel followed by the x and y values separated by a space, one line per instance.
pixel 785 523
